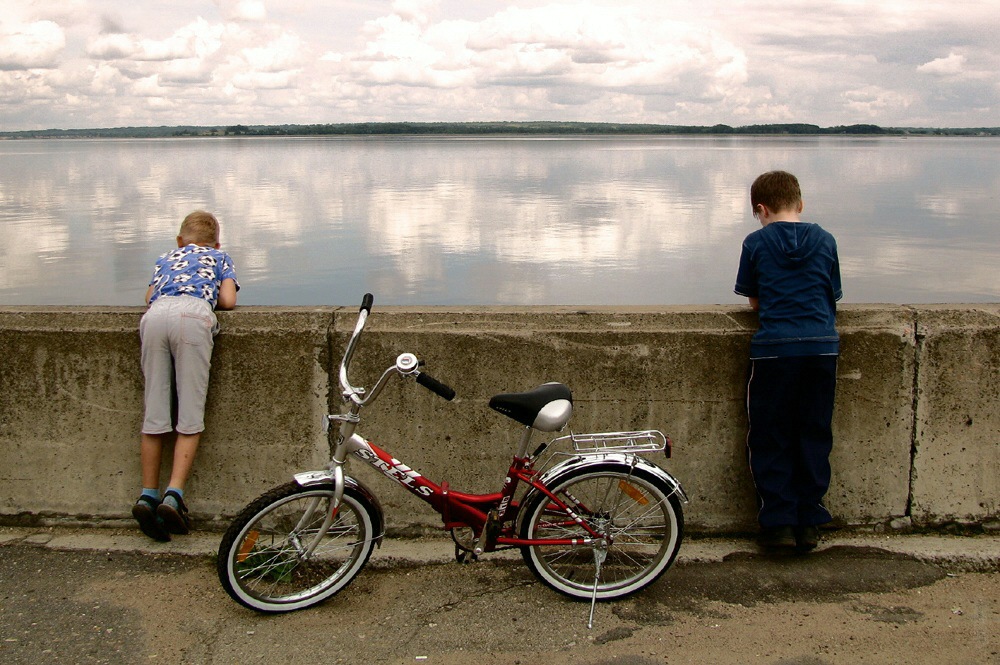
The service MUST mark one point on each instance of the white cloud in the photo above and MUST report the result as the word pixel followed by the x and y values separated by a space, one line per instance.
pixel 575 54
pixel 148 87
pixel 198 39
pixel 263 80
pixel 873 101
pixel 250 11
pixel 281 54
pixel 954 63
pixel 418 11
pixel 185 72
pixel 112 47
pixel 35 45
pixel 684 62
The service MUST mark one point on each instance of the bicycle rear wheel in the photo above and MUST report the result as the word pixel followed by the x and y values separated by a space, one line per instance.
pixel 639 512
pixel 262 562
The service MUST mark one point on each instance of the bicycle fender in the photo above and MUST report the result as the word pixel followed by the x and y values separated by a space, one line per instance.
pixel 632 461
pixel 314 478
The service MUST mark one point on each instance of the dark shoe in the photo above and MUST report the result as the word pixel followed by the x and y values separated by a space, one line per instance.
pixel 144 511
pixel 777 537
pixel 806 538
pixel 173 512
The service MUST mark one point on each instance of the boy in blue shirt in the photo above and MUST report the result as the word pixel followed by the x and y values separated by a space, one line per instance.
pixel 790 271
pixel 177 333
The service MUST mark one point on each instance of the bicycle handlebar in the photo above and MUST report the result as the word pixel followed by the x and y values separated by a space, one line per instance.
pixel 345 384
pixel 358 395
pixel 435 386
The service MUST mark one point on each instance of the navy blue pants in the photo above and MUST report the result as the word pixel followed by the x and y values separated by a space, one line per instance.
pixel 790 407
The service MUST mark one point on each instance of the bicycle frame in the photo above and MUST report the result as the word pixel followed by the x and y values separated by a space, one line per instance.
pixel 492 517
pixel 600 505
pixel 476 511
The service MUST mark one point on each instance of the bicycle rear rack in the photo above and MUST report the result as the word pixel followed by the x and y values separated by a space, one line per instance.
pixel 645 441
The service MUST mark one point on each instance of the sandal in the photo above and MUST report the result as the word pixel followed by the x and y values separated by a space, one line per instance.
pixel 145 513
pixel 173 512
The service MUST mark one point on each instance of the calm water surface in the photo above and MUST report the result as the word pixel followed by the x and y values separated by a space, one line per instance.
pixel 514 220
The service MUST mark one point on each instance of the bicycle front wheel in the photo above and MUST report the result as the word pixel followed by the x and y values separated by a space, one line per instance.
pixel 264 561
pixel 639 512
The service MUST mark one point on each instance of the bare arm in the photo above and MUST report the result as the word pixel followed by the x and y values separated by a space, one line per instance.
pixel 149 293
pixel 754 304
pixel 227 294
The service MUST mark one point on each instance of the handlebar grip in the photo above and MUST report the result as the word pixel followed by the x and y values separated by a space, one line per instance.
pixel 366 303
pixel 436 386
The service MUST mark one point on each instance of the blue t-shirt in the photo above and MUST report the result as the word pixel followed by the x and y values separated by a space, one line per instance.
pixel 193 270
pixel 793 270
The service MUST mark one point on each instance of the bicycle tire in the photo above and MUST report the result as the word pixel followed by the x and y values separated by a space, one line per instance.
pixel 641 511
pixel 259 561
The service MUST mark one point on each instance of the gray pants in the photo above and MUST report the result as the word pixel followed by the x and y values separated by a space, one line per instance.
pixel 177 334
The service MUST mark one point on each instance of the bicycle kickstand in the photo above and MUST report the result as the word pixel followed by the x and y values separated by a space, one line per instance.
pixel 600 554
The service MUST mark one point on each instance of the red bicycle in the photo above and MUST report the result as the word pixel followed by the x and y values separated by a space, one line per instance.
pixel 598 522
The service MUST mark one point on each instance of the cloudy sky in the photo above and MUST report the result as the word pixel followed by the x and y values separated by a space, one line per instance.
pixel 112 63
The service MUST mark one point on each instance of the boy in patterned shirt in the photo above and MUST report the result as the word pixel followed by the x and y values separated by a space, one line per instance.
pixel 177 333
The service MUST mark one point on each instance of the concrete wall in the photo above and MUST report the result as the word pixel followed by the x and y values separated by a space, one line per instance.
pixel 917 425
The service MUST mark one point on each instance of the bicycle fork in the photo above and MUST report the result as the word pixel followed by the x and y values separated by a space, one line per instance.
pixel 335 473
pixel 331 514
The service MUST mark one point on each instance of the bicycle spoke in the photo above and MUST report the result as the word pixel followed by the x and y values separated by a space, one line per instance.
pixel 637 517
pixel 269 569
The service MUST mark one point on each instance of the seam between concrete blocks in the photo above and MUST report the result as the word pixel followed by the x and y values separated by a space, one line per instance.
pixel 918 343
pixel 334 354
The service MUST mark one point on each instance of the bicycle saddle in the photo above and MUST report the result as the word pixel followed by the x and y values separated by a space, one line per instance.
pixel 547 408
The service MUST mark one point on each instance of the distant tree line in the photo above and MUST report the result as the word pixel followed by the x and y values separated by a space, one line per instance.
pixel 497 128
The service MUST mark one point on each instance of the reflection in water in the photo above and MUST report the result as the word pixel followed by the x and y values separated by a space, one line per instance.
pixel 631 220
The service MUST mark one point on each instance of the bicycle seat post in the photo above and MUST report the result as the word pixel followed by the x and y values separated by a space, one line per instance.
pixel 522 448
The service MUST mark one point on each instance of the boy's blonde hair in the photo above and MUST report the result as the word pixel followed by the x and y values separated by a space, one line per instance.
pixel 200 228
pixel 778 190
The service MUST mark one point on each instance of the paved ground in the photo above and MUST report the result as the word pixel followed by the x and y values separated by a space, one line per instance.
pixel 112 596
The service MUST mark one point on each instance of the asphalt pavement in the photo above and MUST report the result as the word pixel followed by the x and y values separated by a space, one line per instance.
pixel 98 595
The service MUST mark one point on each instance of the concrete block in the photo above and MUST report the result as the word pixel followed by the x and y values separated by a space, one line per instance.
pixel 873 414
pixel 70 409
pixel 956 468
pixel 679 370
pixel 916 425
pixel 267 399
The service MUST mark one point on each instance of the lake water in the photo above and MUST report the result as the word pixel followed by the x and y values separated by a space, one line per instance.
pixel 511 220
